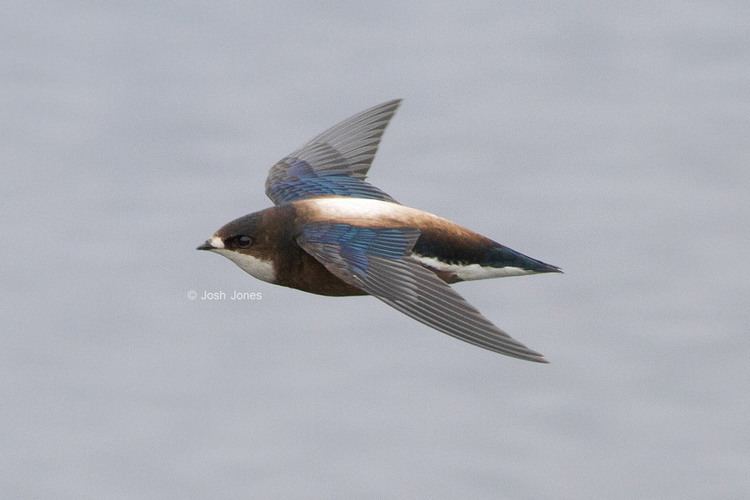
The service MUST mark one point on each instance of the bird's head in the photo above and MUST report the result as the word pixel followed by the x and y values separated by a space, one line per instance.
pixel 245 242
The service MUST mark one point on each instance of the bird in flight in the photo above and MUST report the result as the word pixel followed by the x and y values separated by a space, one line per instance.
pixel 332 233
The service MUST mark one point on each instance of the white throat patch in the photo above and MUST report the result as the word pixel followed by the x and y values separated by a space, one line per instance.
pixel 258 268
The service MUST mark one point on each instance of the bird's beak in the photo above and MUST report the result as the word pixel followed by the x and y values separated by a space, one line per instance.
pixel 212 243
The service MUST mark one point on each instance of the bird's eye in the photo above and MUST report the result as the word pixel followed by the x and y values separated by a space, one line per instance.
pixel 243 241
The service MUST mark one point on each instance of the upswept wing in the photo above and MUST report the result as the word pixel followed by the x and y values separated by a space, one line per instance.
pixel 376 260
pixel 335 162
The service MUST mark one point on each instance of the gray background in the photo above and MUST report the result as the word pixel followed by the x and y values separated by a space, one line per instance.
pixel 610 140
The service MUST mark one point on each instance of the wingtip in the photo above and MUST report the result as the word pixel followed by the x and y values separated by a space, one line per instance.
pixel 534 357
pixel 395 103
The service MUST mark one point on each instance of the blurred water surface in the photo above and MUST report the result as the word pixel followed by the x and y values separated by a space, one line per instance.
pixel 610 140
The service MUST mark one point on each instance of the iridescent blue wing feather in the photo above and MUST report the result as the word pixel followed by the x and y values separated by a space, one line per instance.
pixel 335 162
pixel 376 260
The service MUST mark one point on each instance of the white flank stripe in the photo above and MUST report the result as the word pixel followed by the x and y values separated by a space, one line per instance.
pixel 470 272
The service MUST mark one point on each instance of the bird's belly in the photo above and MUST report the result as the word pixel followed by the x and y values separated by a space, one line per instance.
pixel 302 271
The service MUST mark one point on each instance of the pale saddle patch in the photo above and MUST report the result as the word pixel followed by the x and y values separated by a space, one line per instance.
pixel 345 209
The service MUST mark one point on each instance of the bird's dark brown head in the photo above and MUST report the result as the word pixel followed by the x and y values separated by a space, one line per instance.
pixel 238 235
pixel 248 243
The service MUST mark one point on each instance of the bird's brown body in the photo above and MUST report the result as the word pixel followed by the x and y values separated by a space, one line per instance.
pixel 278 228
pixel 332 233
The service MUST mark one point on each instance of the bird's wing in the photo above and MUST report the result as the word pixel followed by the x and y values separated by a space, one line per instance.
pixel 376 260
pixel 335 162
